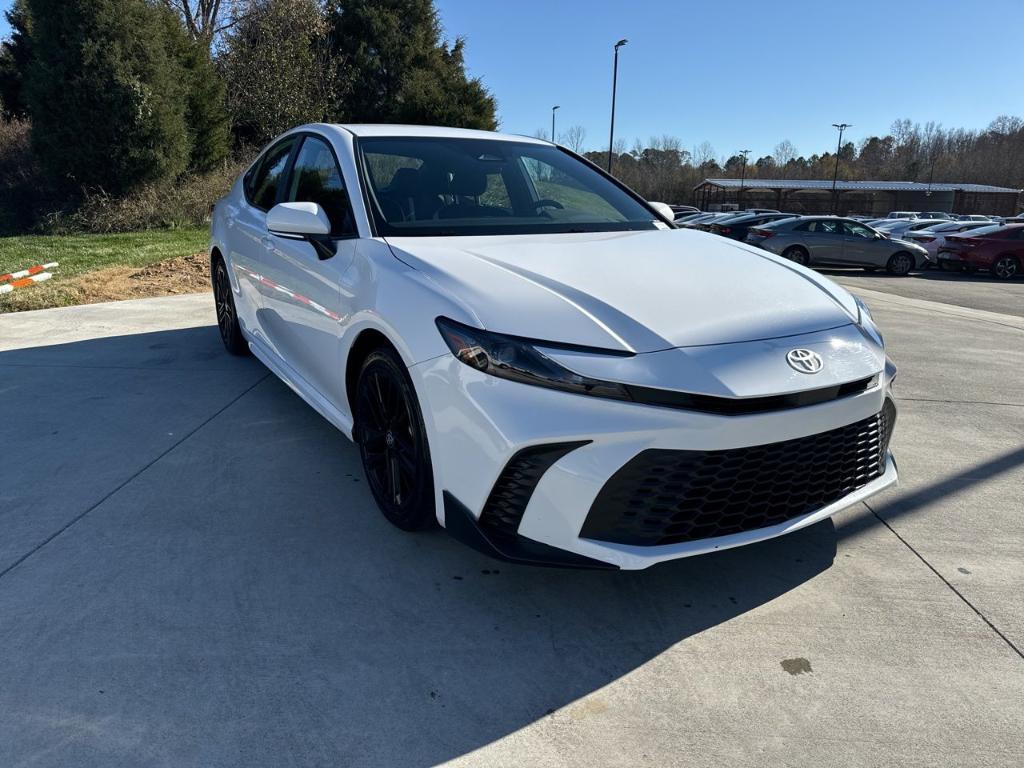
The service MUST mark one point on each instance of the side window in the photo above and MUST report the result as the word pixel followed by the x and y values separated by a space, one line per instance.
pixel 823 227
pixel 316 178
pixel 266 177
pixel 857 230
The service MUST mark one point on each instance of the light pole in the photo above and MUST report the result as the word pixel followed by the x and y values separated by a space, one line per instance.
pixel 743 175
pixel 553 124
pixel 615 82
pixel 835 174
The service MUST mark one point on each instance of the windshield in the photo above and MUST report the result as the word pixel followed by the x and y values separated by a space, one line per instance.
pixel 452 186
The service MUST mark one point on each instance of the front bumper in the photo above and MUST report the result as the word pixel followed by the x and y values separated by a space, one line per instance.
pixel 477 424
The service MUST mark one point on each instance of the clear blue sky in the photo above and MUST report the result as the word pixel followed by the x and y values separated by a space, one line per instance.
pixel 742 74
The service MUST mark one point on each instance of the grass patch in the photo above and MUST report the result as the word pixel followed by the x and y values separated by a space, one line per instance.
pixel 80 255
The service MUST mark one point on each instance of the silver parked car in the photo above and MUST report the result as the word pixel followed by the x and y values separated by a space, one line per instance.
pixel 835 241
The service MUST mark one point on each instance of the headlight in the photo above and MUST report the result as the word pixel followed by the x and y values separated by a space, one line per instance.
pixel 509 357
pixel 867 322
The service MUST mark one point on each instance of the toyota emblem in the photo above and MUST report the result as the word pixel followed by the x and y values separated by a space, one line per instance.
pixel 804 360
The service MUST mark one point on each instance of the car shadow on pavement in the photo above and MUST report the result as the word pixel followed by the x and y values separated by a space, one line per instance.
pixel 238 599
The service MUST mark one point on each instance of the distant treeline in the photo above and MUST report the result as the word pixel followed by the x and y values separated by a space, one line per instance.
pixel 662 169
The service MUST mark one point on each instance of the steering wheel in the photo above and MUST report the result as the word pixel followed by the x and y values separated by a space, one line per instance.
pixel 548 203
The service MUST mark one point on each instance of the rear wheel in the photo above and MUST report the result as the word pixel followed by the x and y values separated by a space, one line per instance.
pixel 227 315
pixel 900 264
pixel 797 255
pixel 393 442
pixel 1006 267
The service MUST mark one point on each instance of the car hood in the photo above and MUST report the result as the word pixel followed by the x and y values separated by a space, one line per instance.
pixel 635 291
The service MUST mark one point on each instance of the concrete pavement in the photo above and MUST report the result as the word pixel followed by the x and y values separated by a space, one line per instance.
pixel 176 588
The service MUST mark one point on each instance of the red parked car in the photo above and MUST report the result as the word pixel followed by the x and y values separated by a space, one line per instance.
pixel 999 249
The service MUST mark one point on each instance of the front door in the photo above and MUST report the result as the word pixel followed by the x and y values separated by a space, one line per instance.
pixel 863 247
pixel 303 302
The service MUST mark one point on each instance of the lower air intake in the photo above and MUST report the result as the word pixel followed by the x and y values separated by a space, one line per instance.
pixel 668 497
pixel 507 502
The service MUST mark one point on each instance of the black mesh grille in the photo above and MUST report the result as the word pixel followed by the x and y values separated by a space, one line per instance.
pixel 514 487
pixel 666 497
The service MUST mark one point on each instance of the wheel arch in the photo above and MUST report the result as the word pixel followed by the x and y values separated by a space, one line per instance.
pixel 366 340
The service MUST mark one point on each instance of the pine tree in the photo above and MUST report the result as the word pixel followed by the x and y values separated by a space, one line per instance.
pixel 106 92
pixel 400 70
pixel 206 115
pixel 15 54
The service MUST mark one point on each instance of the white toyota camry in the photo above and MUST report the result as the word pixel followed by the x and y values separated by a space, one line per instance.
pixel 529 353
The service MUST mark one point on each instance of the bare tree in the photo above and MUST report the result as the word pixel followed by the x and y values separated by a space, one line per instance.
pixel 784 152
pixel 204 19
pixel 574 138
pixel 703 154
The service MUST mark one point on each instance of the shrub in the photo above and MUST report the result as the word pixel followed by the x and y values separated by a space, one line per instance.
pixel 185 202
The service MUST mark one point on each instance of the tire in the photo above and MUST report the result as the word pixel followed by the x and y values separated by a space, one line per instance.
pixel 1005 267
pixel 900 264
pixel 797 255
pixel 393 442
pixel 227 315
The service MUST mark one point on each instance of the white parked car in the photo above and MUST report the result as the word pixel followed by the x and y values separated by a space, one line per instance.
pixel 900 228
pixel 528 353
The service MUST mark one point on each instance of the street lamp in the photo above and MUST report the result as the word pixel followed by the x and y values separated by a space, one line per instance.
pixel 553 123
pixel 743 175
pixel 835 174
pixel 615 82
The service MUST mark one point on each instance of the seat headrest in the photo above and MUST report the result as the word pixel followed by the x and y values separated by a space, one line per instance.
pixel 469 181
pixel 406 181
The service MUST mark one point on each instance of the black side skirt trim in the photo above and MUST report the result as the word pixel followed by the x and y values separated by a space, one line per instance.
pixel 462 526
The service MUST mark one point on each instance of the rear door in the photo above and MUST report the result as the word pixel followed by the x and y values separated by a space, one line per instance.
pixel 823 240
pixel 248 231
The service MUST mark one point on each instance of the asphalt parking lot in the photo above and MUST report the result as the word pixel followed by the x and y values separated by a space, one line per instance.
pixel 193 573
pixel 977 291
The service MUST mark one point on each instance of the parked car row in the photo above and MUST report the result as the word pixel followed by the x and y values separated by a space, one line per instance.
pixel 898 245
pixel 938 215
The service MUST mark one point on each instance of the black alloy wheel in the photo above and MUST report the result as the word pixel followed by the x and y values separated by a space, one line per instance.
pixel 392 442
pixel 227 316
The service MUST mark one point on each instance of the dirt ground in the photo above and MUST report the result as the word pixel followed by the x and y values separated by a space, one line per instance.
pixel 182 274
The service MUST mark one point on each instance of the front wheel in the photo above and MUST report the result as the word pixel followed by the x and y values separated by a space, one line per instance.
pixel 393 442
pixel 1006 267
pixel 900 264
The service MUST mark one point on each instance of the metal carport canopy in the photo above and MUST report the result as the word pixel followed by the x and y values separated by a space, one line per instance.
pixel 851 186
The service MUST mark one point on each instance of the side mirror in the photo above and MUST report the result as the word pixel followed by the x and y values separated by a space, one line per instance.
pixel 663 209
pixel 303 221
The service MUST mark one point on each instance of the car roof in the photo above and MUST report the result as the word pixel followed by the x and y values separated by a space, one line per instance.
pixel 431 131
